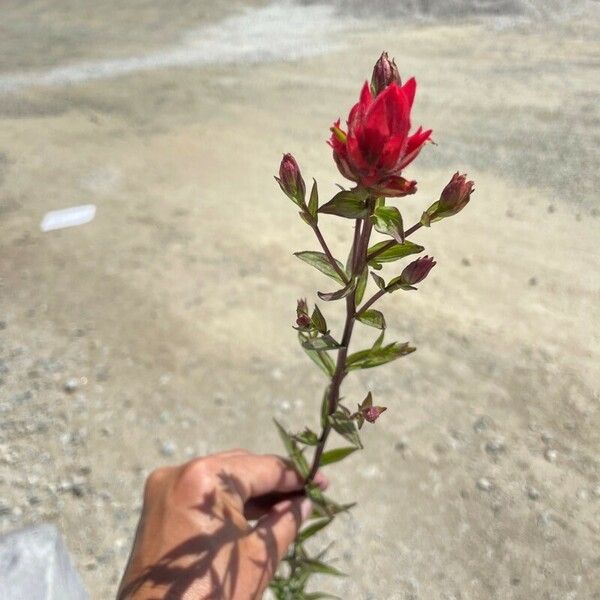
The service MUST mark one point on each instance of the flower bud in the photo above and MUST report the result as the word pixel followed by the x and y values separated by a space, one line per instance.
pixel 290 179
pixel 455 196
pixel 371 413
pixel 302 319
pixel 385 72
pixel 417 270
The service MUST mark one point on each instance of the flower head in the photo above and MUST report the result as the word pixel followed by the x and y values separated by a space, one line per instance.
pixel 377 145
pixel 371 413
pixel 417 270
pixel 302 319
pixel 454 197
pixel 290 179
pixel 385 72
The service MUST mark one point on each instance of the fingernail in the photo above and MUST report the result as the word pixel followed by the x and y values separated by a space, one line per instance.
pixel 321 480
pixel 306 508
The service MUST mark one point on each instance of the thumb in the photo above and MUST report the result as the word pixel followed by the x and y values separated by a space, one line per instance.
pixel 280 526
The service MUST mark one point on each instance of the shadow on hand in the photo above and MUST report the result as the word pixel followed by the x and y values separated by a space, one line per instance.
pixel 179 571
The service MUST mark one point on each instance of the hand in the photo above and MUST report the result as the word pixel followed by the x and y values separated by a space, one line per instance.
pixel 194 540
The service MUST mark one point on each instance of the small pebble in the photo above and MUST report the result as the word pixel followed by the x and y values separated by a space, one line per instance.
pixel 71 385
pixel 551 208
pixel 401 445
pixel 550 455
pixel 495 446
pixel 484 484
pixel 533 493
pixel 532 281
pixel 481 424
pixel 168 448
pixel 465 262
pixel 582 494
pixel 5 508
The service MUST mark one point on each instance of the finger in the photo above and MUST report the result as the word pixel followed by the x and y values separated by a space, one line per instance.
pixel 279 528
pixel 259 475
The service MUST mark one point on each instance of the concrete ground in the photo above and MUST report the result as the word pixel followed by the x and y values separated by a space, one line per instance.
pixel 162 329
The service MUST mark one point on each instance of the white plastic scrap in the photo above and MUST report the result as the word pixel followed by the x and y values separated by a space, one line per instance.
pixel 68 217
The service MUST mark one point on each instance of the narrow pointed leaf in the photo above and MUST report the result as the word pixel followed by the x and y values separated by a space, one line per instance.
pixel 373 357
pixel 398 284
pixel 294 453
pixel 379 281
pixel 346 204
pixel 317 566
pixel 388 220
pixel 345 427
pixel 373 318
pixel 339 294
pixel 308 437
pixel 335 455
pixel 321 344
pixel 379 341
pixel 322 360
pixel 318 320
pixel 361 286
pixel 313 203
pixel 395 252
pixel 320 262
pixel 313 528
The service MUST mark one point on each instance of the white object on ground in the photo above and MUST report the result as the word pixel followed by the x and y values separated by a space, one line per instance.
pixel 35 565
pixel 68 217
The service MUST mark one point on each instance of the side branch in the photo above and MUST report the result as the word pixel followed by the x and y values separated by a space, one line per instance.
pixel 330 257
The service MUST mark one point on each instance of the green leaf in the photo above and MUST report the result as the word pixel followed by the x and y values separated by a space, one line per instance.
pixel 316 566
pixel 394 252
pixel 388 220
pixel 379 281
pixel 318 320
pixel 294 453
pixel 345 427
pixel 361 286
pixel 335 455
pixel 321 344
pixel 373 318
pixel 347 204
pixel 313 203
pixel 398 284
pixel 373 357
pixel 313 528
pixel 308 437
pixel 339 294
pixel 320 596
pixel 315 493
pixel 321 359
pixel 319 261
pixel 379 341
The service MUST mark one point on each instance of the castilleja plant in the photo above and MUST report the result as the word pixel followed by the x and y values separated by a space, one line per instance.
pixel 372 152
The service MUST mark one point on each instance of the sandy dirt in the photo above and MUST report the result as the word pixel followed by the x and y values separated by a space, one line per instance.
pixel 162 329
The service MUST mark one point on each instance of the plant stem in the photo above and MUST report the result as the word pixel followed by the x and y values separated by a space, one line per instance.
pixel 392 243
pixel 358 262
pixel 330 257
pixel 370 302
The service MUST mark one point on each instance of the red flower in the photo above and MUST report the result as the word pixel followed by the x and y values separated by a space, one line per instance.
pixel 377 145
